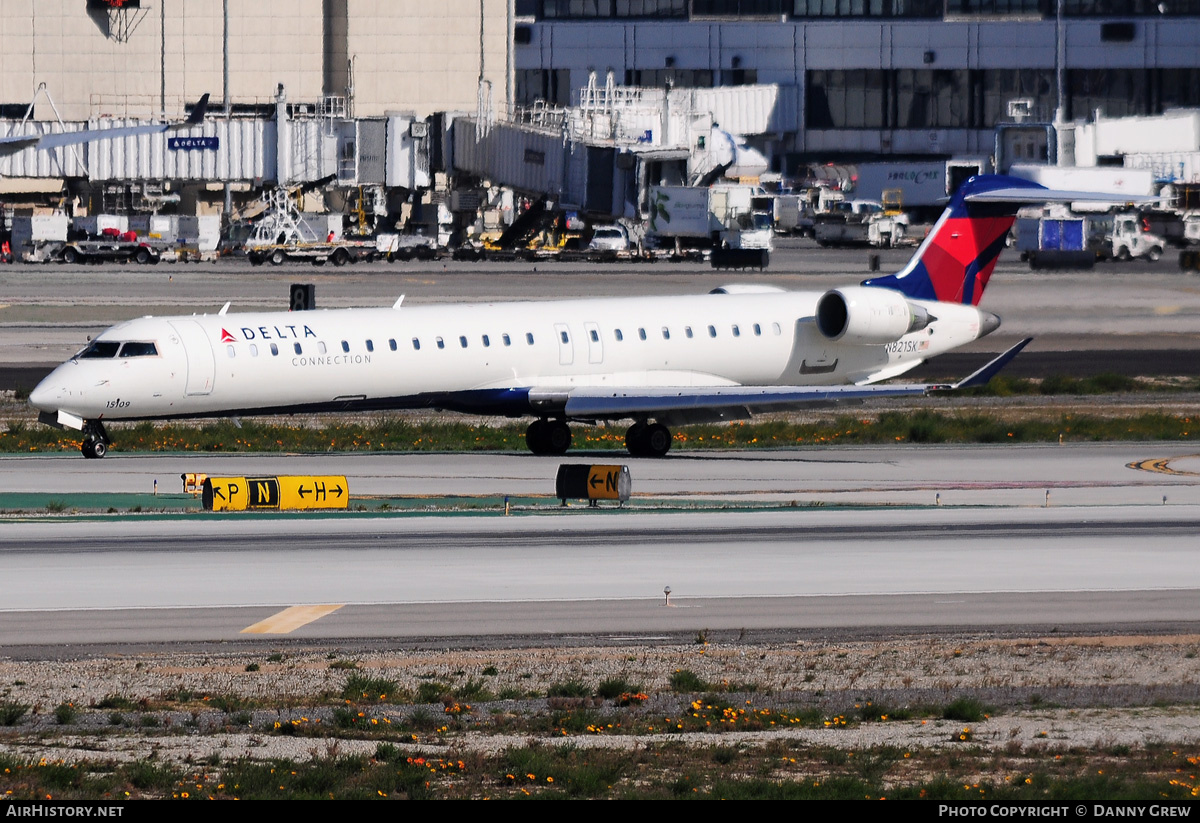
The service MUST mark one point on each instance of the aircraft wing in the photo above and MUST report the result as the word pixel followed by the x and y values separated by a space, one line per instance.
pixel 15 143
pixel 713 403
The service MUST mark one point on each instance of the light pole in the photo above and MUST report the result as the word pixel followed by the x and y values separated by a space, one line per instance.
pixel 1059 60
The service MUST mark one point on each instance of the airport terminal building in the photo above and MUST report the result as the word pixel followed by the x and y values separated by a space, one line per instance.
pixel 877 77
pixel 131 58
pixel 369 91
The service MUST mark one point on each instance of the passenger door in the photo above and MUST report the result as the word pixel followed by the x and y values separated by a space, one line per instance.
pixel 201 366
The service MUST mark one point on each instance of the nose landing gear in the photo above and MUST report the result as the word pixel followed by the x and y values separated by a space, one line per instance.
pixel 95 440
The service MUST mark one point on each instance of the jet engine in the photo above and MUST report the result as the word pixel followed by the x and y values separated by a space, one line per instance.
pixel 865 316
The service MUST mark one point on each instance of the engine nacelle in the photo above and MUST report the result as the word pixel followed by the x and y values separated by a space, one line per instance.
pixel 865 315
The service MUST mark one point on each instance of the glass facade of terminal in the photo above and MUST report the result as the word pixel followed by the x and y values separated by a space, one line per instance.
pixel 977 98
pixel 807 9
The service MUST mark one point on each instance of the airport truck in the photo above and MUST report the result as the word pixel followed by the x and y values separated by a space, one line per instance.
pixel 861 223
pixel 339 253
pixel 406 247
pixel 112 246
pixel 735 222
pixel 1079 241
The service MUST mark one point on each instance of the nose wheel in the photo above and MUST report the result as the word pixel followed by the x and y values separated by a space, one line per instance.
pixel 95 440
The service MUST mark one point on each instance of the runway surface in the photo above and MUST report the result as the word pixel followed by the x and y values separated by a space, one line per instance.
pixel 1103 551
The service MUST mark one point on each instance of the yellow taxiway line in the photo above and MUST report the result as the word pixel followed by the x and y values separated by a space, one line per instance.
pixel 1163 465
pixel 290 619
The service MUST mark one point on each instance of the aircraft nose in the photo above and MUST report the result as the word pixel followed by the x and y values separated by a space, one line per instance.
pixel 48 394
pixel 988 323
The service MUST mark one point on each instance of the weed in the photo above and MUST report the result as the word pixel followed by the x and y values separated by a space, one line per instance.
pixel 115 701
pixel 362 687
pixel 576 721
pixel 229 703
pixel 872 764
pixel 346 665
pixel 345 718
pixel 423 720
pixel 473 690
pixel 11 712
pixel 145 775
pixel 251 667
pixel 687 681
pixel 432 691
pixel 614 687
pixel 65 714
pixel 569 688
pixel 724 755
pixel 966 710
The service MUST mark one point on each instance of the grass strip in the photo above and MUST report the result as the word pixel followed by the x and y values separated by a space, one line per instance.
pixel 780 769
pixel 387 435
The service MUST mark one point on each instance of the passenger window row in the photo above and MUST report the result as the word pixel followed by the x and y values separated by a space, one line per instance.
pixel 734 329
pixel 106 349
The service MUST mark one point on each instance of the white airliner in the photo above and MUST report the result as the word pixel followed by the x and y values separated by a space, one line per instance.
pixel 658 361
pixel 13 143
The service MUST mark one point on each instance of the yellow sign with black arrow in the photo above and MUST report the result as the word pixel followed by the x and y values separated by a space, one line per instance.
pixel 583 482
pixel 313 492
pixel 284 492
pixel 604 482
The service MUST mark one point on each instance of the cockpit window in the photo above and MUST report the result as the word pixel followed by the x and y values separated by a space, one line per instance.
pixel 101 349
pixel 139 350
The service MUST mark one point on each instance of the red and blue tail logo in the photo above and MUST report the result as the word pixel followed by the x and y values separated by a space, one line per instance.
pixel 956 260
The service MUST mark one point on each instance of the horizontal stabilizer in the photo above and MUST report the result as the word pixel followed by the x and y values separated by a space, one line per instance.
pixel 983 375
pixel 10 145
pixel 1039 195
pixel 16 143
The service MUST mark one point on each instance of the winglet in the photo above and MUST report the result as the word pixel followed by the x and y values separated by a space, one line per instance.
pixel 198 112
pixel 983 375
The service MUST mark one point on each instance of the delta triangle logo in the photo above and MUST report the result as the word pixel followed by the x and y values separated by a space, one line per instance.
pixel 226 337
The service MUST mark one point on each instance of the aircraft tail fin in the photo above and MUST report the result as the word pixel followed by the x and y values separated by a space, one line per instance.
pixel 198 112
pixel 956 259
pixel 955 262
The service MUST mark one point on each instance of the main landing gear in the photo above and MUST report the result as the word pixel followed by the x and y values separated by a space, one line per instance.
pixel 553 437
pixel 548 437
pixel 648 439
pixel 95 440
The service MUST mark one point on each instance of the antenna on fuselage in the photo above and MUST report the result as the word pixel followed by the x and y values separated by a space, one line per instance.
pixel 396 305
pixel 225 308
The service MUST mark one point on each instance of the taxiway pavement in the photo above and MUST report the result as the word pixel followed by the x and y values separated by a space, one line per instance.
pixel 1106 551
